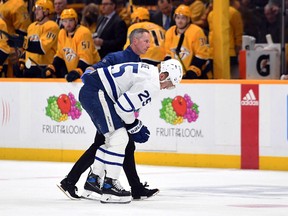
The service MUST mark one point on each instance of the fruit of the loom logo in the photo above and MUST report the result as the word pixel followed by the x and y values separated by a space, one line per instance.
pixel 62 107
pixel 174 111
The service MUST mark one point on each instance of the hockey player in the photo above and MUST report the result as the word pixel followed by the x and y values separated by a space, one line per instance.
pixel 111 102
pixel 140 19
pixel 139 44
pixel 41 42
pixel 4 49
pixel 75 51
pixel 17 19
pixel 187 43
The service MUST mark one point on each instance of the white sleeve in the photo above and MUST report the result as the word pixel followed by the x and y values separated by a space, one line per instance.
pixel 135 98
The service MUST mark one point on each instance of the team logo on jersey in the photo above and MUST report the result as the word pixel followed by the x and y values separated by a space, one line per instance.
pixel 34 38
pixel 69 54
pixel 182 54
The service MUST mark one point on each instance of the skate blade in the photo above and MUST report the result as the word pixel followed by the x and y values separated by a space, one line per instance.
pixel 90 195
pixel 67 194
pixel 108 198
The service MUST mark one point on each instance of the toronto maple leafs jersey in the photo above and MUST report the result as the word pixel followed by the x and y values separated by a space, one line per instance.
pixel 130 85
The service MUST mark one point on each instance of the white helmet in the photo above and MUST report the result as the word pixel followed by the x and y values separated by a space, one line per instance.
pixel 174 68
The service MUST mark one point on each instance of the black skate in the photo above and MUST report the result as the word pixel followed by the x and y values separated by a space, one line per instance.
pixel 142 192
pixel 68 189
pixel 92 184
pixel 113 192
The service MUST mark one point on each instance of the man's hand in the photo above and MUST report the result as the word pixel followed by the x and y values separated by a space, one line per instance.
pixel 48 71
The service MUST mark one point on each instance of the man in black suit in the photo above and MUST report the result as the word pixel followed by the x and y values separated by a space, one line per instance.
pixel 165 15
pixel 111 30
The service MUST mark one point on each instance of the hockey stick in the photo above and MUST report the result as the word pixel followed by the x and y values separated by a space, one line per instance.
pixel 28 65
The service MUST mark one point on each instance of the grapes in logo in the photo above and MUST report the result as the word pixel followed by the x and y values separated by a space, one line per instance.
pixel 62 107
pixel 175 111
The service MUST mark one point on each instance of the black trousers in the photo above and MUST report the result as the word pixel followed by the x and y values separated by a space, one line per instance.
pixel 87 159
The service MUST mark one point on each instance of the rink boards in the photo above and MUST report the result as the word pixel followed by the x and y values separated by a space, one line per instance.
pixel 215 123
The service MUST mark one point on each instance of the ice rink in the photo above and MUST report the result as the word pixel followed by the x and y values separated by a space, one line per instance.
pixel 29 188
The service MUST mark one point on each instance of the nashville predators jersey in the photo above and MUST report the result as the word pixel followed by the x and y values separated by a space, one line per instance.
pixel 156 52
pixel 4 48
pixel 80 46
pixel 194 45
pixel 46 35
pixel 16 16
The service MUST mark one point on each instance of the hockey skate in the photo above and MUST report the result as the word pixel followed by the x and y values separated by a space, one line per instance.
pixel 142 192
pixel 92 187
pixel 68 189
pixel 113 192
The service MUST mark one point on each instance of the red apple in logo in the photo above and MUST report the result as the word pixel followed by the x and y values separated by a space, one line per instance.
pixel 180 106
pixel 64 103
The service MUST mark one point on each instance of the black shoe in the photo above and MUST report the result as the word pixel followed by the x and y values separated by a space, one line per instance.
pixel 142 192
pixel 69 189
pixel 93 183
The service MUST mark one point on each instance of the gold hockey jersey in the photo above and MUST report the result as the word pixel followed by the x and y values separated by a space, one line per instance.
pixel 4 48
pixel 79 47
pixel 156 52
pixel 46 34
pixel 194 44
pixel 16 16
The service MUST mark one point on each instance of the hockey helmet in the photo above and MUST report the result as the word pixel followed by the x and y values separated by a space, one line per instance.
pixel 183 10
pixel 69 14
pixel 45 5
pixel 141 13
pixel 174 68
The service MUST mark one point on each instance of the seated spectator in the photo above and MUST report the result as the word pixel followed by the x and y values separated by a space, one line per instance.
pixel 165 15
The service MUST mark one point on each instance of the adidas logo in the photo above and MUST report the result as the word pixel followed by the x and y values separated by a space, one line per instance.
pixel 249 99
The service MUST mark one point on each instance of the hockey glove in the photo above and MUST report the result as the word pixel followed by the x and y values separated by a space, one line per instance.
pixel 48 71
pixel 190 75
pixel 139 132
pixel 72 76
pixel 16 41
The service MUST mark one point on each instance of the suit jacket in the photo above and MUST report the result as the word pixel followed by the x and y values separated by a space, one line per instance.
pixel 156 17
pixel 114 35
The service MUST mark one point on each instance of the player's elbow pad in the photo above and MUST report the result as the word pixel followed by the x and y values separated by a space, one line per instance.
pixel 35 47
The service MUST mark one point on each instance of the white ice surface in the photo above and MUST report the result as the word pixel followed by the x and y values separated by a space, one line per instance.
pixel 29 188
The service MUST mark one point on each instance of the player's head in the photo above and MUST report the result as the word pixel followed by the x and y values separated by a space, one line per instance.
pixel 171 73
pixel 42 9
pixel 140 14
pixel 182 16
pixel 69 19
